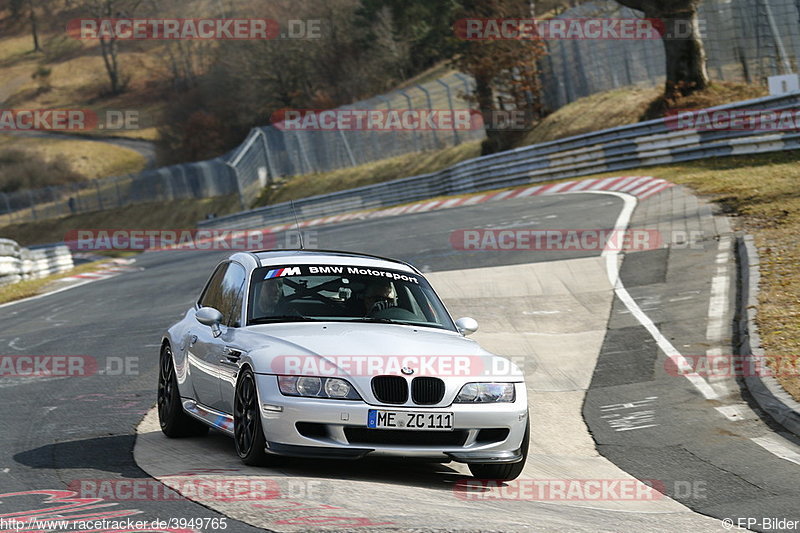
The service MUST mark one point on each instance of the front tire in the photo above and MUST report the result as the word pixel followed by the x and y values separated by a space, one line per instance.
pixel 247 430
pixel 175 423
pixel 504 471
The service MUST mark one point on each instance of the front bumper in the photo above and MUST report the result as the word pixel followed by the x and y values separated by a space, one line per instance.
pixel 321 428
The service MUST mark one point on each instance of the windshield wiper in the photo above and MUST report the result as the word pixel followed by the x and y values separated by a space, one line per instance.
pixel 282 318
pixel 379 320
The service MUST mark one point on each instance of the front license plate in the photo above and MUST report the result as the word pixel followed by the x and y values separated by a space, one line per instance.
pixel 379 419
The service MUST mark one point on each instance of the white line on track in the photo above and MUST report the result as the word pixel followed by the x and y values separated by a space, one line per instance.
pixel 776 446
pixel 612 268
pixel 769 442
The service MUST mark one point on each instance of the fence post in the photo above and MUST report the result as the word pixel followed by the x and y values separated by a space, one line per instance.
pixel 99 196
pixel 783 60
pixel 57 207
pixel 238 185
pixel 456 140
pixel 8 208
pixel 270 166
pixel 413 132
pixel 465 81
pixel 119 196
pixel 303 154
pixel 347 147
pixel 33 206
pixel 430 106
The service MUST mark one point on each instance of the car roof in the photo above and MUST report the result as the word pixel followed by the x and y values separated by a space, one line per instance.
pixel 328 257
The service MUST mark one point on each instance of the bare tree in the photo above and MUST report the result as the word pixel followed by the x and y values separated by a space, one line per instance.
pixel 34 29
pixel 506 73
pixel 686 57
pixel 109 44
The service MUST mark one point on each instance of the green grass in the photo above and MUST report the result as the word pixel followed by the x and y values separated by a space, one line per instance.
pixel 32 287
pixel 376 172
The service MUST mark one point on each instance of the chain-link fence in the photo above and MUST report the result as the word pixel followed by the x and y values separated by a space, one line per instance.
pixel 271 152
pixel 745 40
pixel 191 180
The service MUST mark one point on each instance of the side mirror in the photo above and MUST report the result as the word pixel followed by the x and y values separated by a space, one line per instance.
pixel 208 316
pixel 467 326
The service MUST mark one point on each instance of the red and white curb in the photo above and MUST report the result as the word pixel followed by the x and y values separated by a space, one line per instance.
pixel 642 187
pixel 113 268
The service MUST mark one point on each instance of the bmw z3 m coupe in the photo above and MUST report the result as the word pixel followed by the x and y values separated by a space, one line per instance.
pixel 339 355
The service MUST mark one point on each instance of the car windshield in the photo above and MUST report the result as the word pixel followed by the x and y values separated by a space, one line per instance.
pixel 343 293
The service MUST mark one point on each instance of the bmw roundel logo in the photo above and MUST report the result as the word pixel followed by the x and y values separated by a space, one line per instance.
pixel 407 370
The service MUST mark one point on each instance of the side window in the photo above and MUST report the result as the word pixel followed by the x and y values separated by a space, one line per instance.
pixel 232 294
pixel 212 295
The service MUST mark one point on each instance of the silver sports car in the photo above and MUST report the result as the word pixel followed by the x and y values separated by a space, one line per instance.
pixel 339 355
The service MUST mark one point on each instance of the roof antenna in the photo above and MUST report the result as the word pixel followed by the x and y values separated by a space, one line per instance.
pixel 297 225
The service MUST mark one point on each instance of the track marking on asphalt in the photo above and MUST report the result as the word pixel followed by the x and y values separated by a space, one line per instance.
pixel 778 447
pixel 612 269
pixel 715 329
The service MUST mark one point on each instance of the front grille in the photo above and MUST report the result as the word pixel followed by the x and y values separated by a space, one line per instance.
pixel 427 391
pixel 399 437
pixel 390 389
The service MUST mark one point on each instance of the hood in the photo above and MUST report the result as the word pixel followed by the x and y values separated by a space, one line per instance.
pixel 362 350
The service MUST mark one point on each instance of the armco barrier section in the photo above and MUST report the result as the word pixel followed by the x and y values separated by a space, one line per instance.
pixel 639 145
pixel 18 263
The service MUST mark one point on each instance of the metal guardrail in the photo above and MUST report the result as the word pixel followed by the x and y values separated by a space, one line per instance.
pixel 18 263
pixel 643 144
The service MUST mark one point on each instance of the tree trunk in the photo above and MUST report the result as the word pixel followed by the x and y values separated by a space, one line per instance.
pixel 686 57
pixel 683 46
pixel 34 30
pixel 485 98
pixel 108 48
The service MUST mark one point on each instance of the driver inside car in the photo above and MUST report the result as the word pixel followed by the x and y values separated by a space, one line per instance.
pixel 378 297
pixel 269 298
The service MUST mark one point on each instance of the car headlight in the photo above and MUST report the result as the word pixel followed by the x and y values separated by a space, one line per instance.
pixel 314 387
pixel 486 393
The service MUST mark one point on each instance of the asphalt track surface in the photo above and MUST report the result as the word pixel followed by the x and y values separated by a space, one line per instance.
pixel 55 432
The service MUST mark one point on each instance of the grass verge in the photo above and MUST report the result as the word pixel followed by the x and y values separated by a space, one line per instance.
pixel 32 287
pixel 90 159
pixel 179 214
pixel 376 172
